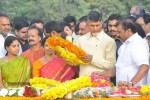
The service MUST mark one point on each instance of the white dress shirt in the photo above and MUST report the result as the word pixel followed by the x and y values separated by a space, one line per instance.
pixel 2 49
pixel 132 54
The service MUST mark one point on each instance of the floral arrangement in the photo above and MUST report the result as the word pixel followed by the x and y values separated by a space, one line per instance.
pixel 64 88
pixel 42 83
pixel 69 52
pixel 26 91
pixel 92 92
pixel 100 81
pixel 31 92
pixel 125 90
pixel 145 90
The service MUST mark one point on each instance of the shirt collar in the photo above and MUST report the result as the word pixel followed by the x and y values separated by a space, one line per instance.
pixel 99 36
pixel 130 39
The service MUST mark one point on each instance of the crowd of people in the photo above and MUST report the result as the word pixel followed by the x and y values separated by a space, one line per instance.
pixel 117 48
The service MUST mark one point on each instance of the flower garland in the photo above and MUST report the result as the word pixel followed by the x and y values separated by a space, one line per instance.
pixel 63 88
pixel 71 53
pixel 42 83
pixel 145 90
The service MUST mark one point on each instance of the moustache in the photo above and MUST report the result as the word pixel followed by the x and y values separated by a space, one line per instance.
pixel 31 40
pixel 112 31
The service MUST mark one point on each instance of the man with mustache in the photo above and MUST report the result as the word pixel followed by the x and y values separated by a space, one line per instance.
pixel 5 30
pixel 35 51
pixel 21 28
pixel 112 20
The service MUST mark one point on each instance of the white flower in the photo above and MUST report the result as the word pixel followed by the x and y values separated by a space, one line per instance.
pixel 3 92
pixel 11 92
pixel 21 91
pixel 38 92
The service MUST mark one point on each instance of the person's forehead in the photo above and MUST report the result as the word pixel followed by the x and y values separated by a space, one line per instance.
pixel 119 27
pixel 140 19
pixel 82 24
pixel 4 19
pixel 114 21
pixel 33 31
pixel 94 23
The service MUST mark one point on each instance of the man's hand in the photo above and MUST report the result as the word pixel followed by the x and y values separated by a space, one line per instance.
pixel 68 31
pixel 106 73
pixel 124 83
pixel 87 58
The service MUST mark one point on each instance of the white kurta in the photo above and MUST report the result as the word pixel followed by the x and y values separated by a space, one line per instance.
pixel 132 54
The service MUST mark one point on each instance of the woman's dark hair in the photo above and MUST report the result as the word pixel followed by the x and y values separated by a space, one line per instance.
pixel 8 41
pixel 44 40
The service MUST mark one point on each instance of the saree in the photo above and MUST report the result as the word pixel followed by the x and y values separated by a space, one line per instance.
pixel 56 69
pixel 16 72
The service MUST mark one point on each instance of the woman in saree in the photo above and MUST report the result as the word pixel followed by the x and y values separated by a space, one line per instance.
pixel 51 66
pixel 14 70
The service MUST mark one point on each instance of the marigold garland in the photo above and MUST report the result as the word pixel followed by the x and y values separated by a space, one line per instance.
pixel 39 82
pixel 71 53
pixel 62 89
pixel 145 90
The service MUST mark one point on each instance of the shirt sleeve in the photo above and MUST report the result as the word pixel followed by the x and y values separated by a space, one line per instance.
pixel 69 38
pixel 110 57
pixel 140 54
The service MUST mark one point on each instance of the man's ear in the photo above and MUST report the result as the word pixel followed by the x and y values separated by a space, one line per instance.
pixel 16 32
pixel 6 48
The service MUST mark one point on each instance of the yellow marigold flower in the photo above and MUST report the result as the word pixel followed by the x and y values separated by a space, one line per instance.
pixel 67 50
pixel 62 89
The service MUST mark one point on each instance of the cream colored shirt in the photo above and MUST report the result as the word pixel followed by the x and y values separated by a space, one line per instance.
pixel 103 49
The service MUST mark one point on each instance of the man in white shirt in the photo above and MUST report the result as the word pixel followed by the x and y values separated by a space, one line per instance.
pixel 5 29
pixel 133 61
pixel 100 48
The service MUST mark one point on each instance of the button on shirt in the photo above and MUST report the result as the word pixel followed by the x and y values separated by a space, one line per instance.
pixel 103 49
pixel 132 54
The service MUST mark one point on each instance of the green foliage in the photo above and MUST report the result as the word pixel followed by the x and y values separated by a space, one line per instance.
pixel 57 9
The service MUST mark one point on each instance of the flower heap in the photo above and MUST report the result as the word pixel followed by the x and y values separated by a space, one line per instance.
pixel 42 83
pixel 26 91
pixel 145 90
pixel 64 88
pixel 69 52
pixel 31 92
pixel 100 81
